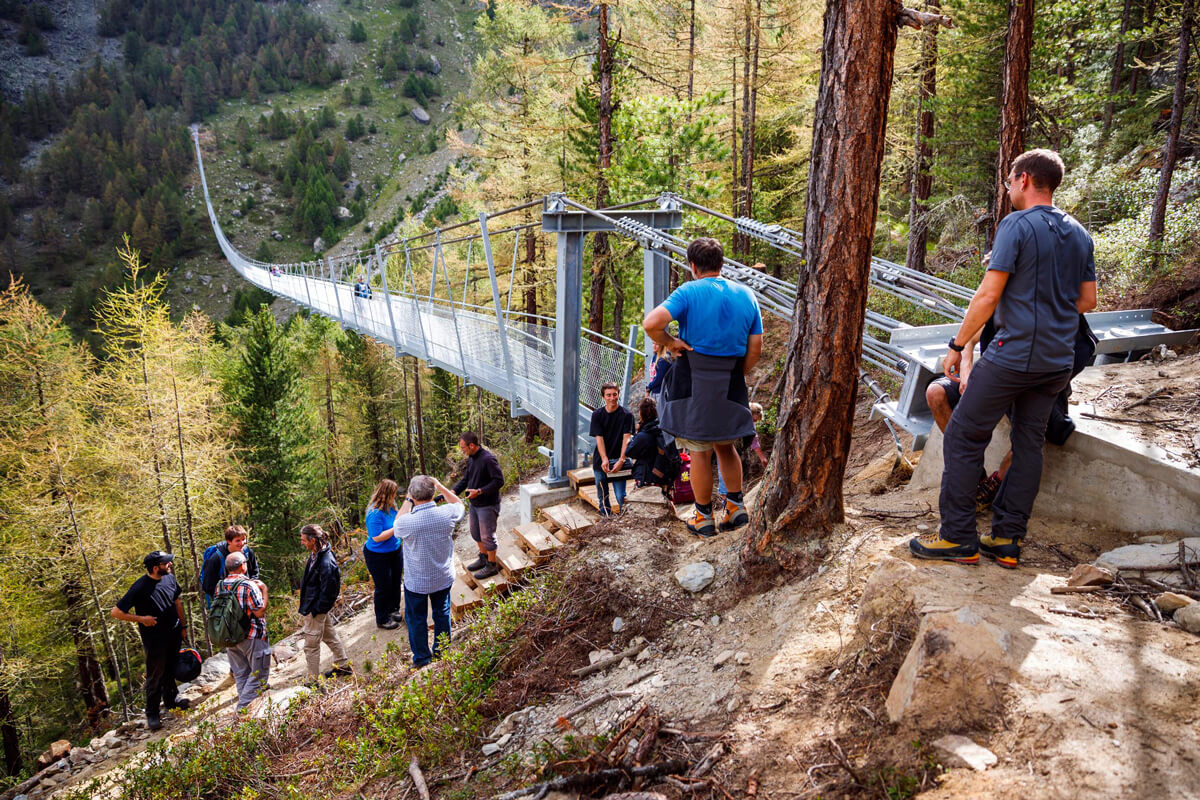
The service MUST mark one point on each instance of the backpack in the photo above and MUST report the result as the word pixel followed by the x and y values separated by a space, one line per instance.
pixel 228 624
pixel 208 553
pixel 660 466
pixel 681 492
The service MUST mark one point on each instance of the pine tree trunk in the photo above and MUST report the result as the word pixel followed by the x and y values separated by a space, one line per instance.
pixel 735 186
pixel 408 456
pixel 601 253
pixel 1145 20
pixel 1014 103
pixel 691 67
pixel 420 423
pixel 750 116
pixel 9 734
pixel 1114 85
pixel 802 495
pixel 1158 211
pixel 922 178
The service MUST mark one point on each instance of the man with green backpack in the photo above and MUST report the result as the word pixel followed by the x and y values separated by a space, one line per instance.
pixel 236 623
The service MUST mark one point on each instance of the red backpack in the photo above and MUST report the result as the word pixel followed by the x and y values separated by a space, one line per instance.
pixel 681 492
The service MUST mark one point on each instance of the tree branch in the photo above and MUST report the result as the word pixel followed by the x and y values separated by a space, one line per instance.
pixel 912 18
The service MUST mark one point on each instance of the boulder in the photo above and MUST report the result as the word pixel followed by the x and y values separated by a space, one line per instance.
pixel 1090 575
pixel 237 214
pixel 1188 618
pixel 696 576
pixel 1169 601
pixel 962 752
pixel 319 245
pixel 344 213
pixel 955 662
pixel 723 658
pixel 435 66
pixel 618 624
pixel 420 115
pixel 1157 561
pixel 277 236
pixel 57 751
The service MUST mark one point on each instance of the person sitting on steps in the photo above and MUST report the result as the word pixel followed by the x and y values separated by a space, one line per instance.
pixel 612 427
pixel 481 484
pixel 706 404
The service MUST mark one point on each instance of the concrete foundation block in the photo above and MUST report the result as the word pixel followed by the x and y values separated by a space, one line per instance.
pixel 538 495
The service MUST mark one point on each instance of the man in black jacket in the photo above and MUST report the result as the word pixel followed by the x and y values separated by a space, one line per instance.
pixel 319 589
pixel 481 483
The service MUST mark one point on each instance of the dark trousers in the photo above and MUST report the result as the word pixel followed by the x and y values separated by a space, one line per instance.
pixel 418 625
pixel 387 572
pixel 992 392
pixel 602 484
pixel 160 672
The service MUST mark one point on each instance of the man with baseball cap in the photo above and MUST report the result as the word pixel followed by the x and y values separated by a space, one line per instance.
pixel 158 612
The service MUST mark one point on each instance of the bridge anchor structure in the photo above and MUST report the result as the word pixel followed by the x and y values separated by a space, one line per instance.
pixel 551 366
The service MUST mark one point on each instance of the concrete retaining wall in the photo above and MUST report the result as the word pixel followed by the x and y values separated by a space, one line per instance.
pixel 1102 475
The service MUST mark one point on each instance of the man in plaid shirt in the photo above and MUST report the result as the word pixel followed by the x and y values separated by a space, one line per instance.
pixel 426 532
pixel 250 660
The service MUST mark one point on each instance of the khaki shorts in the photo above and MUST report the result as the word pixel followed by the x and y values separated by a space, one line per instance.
pixel 699 447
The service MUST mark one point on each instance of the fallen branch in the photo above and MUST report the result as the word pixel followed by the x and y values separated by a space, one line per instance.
pixel 1076 589
pixel 414 770
pixel 1144 400
pixel 879 513
pixel 605 663
pixel 839 755
pixel 591 780
pixel 1103 418
pixel 707 762
pixel 912 18
pixel 603 697
pixel 1070 612
pixel 639 678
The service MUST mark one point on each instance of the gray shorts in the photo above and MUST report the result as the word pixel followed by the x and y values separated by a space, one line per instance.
pixel 692 446
pixel 483 525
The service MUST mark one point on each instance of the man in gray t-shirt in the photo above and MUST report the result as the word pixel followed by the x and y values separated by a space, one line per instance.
pixel 1040 277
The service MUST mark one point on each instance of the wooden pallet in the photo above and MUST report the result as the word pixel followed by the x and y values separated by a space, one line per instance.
pixel 538 542
pixel 581 477
pixel 565 521
pixel 513 560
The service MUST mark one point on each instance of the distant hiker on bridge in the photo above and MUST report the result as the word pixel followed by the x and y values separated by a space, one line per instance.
pixel 706 405
pixel 427 533
pixel 250 659
pixel 481 484
pixel 161 623
pixel 381 553
pixel 612 428
pixel 1040 278
pixel 319 590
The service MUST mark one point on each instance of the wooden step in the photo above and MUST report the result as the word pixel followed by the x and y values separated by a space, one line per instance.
pixel 538 542
pixel 648 494
pixel 513 560
pixel 567 520
pixel 462 598
pixel 497 584
pixel 581 477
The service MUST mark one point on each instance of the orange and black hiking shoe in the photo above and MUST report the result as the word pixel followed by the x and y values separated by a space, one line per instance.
pixel 1005 552
pixel 702 524
pixel 735 515
pixel 932 546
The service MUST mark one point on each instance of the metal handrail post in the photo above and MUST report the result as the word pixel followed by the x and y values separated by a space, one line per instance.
pixel 512 276
pixel 304 277
pixel 412 282
pixel 633 329
pixel 513 399
pixel 387 298
pixel 467 275
pixel 567 291
pixel 439 257
pixel 337 296
pixel 655 282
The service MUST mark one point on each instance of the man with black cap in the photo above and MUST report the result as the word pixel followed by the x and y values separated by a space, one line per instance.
pixel 154 598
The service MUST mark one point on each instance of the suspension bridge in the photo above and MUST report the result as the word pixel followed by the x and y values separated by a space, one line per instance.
pixel 552 367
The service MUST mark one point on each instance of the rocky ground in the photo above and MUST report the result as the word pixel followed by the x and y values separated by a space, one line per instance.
pixel 74 44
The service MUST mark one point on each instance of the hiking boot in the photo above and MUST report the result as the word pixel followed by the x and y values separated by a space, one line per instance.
pixel 932 546
pixel 179 704
pixel 390 625
pixel 735 515
pixel 703 524
pixel 338 672
pixel 1005 552
pixel 478 563
pixel 153 723
pixel 986 491
pixel 488 571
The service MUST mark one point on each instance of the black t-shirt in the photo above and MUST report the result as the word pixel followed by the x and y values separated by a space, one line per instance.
pixel 153 598
pixel 612 428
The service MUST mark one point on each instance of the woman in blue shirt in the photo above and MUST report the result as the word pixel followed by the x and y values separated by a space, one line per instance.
pixel 382 554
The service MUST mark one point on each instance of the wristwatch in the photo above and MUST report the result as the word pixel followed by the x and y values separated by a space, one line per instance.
pixel 958 348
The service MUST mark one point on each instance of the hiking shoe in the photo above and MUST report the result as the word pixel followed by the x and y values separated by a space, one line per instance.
pixel 338 672
pixel 735 515
pixel 488 571
pixel 153 723
pixel 986 491
pixel 180 704
pixel 932 546
pixel 1005 552
pixel 703 524
pixel 478 563
pixel 390 625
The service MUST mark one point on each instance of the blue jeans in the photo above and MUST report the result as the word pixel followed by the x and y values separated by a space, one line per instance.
pixel 387 573
pixel 602 482
pixel 418 627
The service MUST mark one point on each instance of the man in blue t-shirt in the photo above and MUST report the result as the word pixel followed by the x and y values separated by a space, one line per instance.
pixel 1041 276
pixel 706 405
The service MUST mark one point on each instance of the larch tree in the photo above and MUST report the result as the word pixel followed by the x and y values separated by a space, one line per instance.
pixel 802 496
pixel 1170 153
